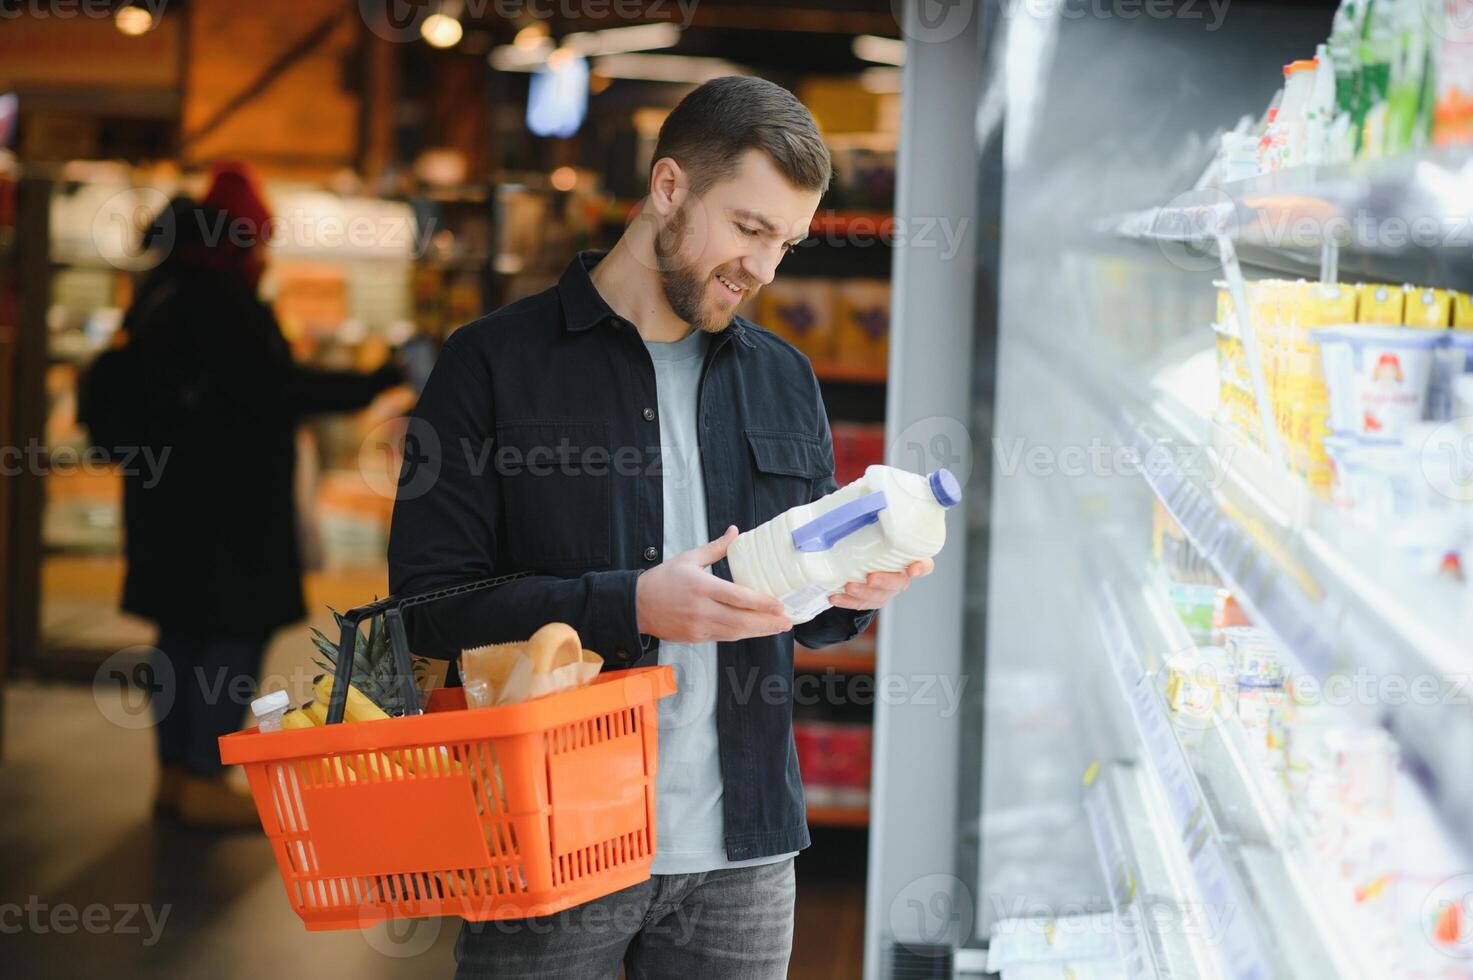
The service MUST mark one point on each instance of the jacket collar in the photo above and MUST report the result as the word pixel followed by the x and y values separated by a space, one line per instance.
pixel 584 307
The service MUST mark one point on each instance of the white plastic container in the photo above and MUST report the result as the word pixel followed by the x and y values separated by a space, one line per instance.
pixel 881 522
pixel 269 710
pixel 1378 376
pixel 1287 136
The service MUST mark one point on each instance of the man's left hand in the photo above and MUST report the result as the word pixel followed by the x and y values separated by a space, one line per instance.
pixel 880 587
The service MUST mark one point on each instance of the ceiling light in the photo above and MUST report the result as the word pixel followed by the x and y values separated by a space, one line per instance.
pixel 532 37
pixel 616 40
pixel 133 21
pixel 881 50
pixel 666 67
pixel 514 57
pixel 441 31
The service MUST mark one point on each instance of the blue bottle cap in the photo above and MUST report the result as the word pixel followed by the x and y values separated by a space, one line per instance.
pixel 945 488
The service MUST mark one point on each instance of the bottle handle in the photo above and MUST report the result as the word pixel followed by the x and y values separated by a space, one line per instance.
pixel 821 533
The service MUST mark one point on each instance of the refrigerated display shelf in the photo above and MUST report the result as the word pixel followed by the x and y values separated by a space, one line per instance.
pixel 1247 949
pixel 1323 922
pixel 1407 218
pixel 1270 853
pixel 1331 592
pixel 1157 929
pixel 1340 597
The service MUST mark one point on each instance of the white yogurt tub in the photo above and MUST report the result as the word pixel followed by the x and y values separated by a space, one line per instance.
pixel 1374 478
pixel 1377 376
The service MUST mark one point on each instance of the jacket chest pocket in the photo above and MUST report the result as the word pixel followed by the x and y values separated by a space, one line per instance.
pixel 556 493
pixel 787 468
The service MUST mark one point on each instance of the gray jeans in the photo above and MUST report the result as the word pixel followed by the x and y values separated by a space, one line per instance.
pixel 728 924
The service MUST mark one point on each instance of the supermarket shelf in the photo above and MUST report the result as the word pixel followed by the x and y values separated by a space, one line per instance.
pixel 876 223
pixel 1309 909
pixel 1145 886
pixel 838 816
pixel 1247 948
pixel 865 374
pixel 1262 855
pixel 1332 593
pixel 1398 219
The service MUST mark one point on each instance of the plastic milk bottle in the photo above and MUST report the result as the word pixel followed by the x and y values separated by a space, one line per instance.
pixel 881 522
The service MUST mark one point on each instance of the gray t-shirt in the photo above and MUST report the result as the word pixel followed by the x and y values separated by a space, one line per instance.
pixel 688 789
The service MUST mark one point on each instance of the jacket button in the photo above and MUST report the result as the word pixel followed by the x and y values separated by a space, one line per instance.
pixel 622 654
pixel 649 414
pixel 651 553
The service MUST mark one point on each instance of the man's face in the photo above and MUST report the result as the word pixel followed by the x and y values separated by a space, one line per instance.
pixel 719 249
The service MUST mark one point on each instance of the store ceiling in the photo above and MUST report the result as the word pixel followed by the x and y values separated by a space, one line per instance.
pixel 768 35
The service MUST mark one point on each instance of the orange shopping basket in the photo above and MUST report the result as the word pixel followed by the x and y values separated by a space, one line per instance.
pixel 489 813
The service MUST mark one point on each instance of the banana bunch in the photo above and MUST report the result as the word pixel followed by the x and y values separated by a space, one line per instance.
pixel 432 760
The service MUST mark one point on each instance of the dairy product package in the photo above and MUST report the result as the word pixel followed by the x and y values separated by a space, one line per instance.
pixel 1285 143
pixel 879 523
pixel 1426 307
pixel 1377 479
pixel 1193 686
pixel 1377 376
pixel 1381 303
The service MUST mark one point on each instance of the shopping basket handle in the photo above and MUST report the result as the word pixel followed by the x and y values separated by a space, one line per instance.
pixel 392 608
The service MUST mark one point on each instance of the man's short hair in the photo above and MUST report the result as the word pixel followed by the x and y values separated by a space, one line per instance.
pixel 712 128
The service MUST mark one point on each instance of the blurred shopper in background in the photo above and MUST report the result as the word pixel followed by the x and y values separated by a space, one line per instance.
pixel 206 383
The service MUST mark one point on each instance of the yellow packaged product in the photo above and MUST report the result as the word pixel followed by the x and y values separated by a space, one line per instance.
pixel 1426 307
pixel 1462 312
pixel 1227 315
pixel 1327 304
pixel 1232 361
pixel 1320 473
pixel 1380 303
pixel 1297 443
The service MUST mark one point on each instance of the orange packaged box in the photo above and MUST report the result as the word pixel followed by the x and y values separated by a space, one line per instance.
pixel 801 311
pixel 862 330
pixel 489 813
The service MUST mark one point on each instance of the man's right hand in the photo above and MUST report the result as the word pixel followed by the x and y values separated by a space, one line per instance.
pixel 680 602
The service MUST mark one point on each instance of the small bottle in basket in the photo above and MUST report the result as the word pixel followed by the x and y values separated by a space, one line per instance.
pixel 269 709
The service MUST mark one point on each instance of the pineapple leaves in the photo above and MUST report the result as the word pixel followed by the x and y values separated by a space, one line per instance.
pixel 373 670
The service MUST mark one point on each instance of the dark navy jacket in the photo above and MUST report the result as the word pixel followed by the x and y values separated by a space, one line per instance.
pixel 535 447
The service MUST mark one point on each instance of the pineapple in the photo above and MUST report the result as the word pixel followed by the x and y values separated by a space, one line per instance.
pixel 373 669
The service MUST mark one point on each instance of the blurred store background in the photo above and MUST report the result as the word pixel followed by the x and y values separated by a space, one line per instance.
pixel 425 166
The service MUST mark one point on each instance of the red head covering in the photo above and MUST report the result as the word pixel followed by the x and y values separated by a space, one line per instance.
pixel 234 190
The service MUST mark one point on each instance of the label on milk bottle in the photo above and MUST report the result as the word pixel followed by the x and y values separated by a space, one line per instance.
pixel 803 604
